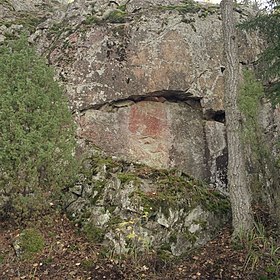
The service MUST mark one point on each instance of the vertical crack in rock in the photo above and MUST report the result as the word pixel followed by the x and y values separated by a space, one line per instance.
pixel 218 116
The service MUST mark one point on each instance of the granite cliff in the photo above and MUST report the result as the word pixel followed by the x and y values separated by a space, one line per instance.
pixel 144 79
pixel 145 84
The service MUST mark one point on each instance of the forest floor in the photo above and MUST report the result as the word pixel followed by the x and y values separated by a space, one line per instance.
pixel 67 254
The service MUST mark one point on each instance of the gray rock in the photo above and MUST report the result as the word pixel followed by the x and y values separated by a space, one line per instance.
pixel 142 88
pixel 141 209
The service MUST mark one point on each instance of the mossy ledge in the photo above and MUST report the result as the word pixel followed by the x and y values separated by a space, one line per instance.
pixel 138 208
pixel 192 7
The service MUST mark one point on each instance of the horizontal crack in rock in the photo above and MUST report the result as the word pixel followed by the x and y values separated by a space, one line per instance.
pixel 173 96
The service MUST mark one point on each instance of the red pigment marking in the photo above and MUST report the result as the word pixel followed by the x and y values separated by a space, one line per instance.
pixel 73 38
pixel 148 119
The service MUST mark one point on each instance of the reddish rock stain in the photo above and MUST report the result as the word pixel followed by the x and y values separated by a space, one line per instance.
pixel 148 119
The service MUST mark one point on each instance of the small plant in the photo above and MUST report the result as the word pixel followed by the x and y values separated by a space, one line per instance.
pixel 47 261
pixel 260 249
pixel 93 233
pixel 87 264
pixel 31 242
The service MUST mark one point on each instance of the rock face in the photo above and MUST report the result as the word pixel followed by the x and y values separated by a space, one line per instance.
pixel 144 78
pixel 160 134
pixel 132 208
pixel 146 84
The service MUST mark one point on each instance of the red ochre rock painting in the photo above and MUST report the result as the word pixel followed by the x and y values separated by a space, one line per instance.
pixel 149 133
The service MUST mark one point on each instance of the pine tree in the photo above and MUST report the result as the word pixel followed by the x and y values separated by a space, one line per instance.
pixel 240 194
pixel 36 132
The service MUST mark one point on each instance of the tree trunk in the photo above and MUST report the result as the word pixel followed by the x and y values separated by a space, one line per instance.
pixel 240 195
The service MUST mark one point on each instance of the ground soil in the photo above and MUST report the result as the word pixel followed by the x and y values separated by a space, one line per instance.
pixel 69 255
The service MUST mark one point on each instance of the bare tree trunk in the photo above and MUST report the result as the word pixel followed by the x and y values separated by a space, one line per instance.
pixel 240 195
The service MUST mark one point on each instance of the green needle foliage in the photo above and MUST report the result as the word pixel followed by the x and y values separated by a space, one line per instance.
pixel 36 132
pixel 268 24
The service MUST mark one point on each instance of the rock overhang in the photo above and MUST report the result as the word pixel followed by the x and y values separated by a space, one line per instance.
pixel 154 78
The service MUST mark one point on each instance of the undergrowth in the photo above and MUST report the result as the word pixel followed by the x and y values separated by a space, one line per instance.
pixel 263 250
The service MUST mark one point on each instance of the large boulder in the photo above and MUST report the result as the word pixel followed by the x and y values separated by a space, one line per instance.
pixel 130 208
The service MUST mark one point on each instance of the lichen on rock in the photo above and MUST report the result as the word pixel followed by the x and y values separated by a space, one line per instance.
pixel 145 79
pixel 131 207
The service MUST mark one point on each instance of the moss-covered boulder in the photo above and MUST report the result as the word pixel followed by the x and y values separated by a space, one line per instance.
pixel 132 208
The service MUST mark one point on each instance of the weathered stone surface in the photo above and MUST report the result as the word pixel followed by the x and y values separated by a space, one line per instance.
pixel 129 78
pixel 17 17
pixel 136 5
pixel 133 208
pixel 156 53
pixel 150 52
pixel 217 157
pixel 266 170
pixel 158 134
pixel 33 5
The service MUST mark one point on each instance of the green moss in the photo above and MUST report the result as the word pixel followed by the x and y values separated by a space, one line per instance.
pixel 91 20
pixel 122 8
pixel 57 28
pixel 88 264
pixel 210 200
pixel 117 16
pixel 47 261
pixel 192 7
pixel 29 21
pixel 97 190
pixel 202 223
pixel 31 242
pixel 2 259
pixel 181 192
pixel 86 215
pixel 94 233
pixel 164 255
pixel 115 220
pixel 97 162
pixel 127 177
pixel 155 202
pixel 173 188
pixel 191 237
pixel 111 208
pixel 165 247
